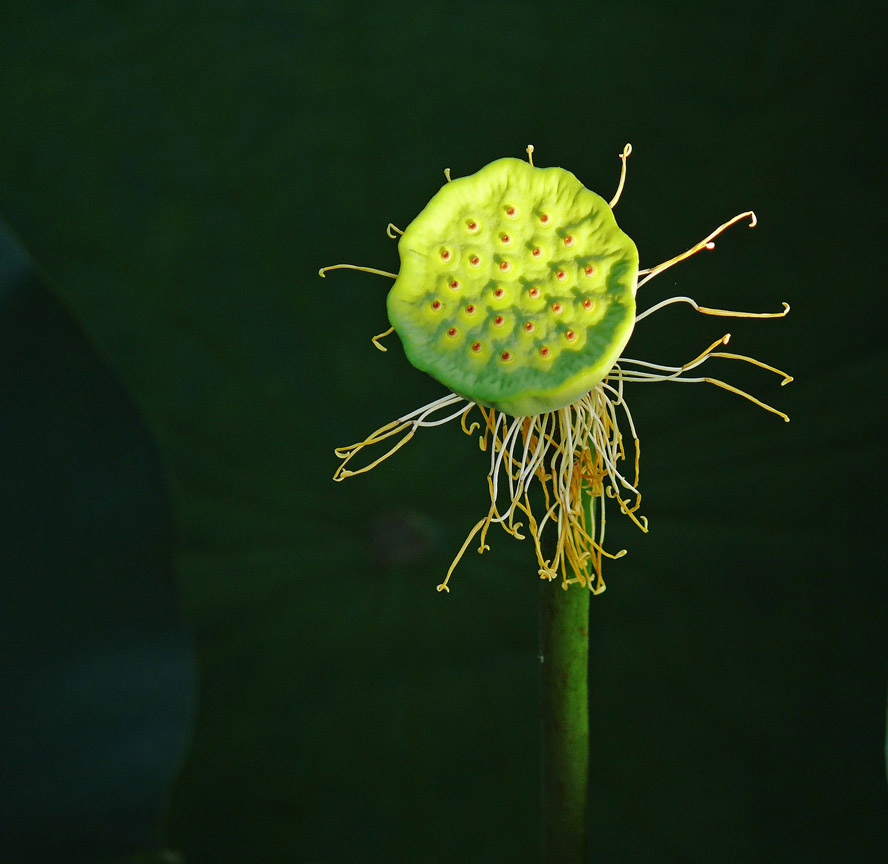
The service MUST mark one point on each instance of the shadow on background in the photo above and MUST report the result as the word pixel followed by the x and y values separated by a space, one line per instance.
pixel 97 670
pixel 181 172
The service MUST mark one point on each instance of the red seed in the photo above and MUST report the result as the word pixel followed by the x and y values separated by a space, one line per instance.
pixel 498 320
pixel 451 331
pixel 476 346
pixel 436 304
pixel 506 355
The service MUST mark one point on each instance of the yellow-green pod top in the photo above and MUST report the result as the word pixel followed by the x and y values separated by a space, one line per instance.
pixel 516 288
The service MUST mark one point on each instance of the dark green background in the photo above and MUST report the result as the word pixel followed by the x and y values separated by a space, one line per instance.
pixel 178 172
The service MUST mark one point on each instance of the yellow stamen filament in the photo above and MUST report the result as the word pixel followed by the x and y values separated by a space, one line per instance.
pixel 407 424
pixel 530 155
pixel 627 150
pixel 731 389
pixel 323 271
pixel 705 243
pixel 706 310
pixel 786 378
pixel 378 336
pixel 447 174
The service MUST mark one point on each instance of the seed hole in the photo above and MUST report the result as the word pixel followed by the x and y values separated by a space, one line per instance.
pixel 544 351
pixel 570 335
pixel 506 239
pixel 445 255
pixel 528 327
pixel 587 304
pixel 504 266
pixel 534 292
pixel 557 308
pixel 499 292
pixel 476 347
pixel 561 275
pixel 589 270
pixel 470 309
pixel 506 356
pixel 510 211
pixel 452 331
pixel 537 252
pixel 474 260
pixel 454 285
pixel 472 225
pixel 498 320
pixel 544 218
pixel 568 241
pixel 436 304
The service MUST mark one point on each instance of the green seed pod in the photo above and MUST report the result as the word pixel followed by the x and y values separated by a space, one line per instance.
pixel 516 288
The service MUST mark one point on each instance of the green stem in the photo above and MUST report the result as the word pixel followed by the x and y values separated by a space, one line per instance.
pixel 564 650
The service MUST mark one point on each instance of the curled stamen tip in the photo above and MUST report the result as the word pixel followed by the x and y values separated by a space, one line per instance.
pixel 709 245
pixel 627 149
pixel 785 307
pixel 753 219
pixel 483 548
pixel 443 587
pixel 787 380
pixel 726 338
pixel 621 553
pixel 322 273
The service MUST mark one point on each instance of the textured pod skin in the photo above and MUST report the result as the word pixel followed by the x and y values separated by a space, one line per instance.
pixel 516 288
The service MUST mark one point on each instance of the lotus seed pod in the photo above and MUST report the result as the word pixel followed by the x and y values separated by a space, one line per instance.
pixel 516 288
pixel 517 292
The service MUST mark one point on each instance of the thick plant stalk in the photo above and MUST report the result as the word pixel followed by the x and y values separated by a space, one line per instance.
pixel 564 650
